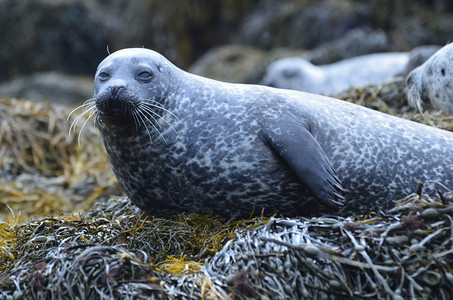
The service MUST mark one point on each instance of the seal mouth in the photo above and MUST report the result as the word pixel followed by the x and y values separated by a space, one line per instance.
pixel 115 107
pixel 116 102
pixel 116 113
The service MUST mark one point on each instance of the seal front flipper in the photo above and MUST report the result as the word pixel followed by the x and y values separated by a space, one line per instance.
pixel 300 150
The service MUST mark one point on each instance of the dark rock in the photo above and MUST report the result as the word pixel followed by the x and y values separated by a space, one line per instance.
pixel 39 35
pixel 246 64
pixel 233 63
pixel 355 42
pixel 427 27
pixel 49 86
pixel 72 36
pixel 181 30
pixel 295 25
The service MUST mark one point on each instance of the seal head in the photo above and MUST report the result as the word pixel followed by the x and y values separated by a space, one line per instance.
pixel 431 83
pixel 295 73
pixel 118 102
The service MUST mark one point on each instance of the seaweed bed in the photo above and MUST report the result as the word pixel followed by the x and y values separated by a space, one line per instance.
pixel 64 235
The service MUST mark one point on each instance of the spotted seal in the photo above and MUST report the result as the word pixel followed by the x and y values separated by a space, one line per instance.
pixel 181 142
pixel 297 73
pixel 432 82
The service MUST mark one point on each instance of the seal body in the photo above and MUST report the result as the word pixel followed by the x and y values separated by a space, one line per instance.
pixel 432 82
pixel 180 142
pixel 299 74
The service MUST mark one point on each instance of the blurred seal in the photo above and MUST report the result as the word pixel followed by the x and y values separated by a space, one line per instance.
pixel 296 73
pixel 181 142
pixel 432 82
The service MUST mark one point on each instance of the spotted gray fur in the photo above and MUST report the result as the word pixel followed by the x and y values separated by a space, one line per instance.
pixel 232 148
pixel 432 82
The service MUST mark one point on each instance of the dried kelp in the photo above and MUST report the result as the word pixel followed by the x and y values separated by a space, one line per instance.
pixel 100 256
pixel 407 253
pixel 404 253
pixel 390 98
pixel 42 168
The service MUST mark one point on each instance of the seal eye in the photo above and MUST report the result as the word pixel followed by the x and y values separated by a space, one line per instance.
pixel 145 76
pixel 103 76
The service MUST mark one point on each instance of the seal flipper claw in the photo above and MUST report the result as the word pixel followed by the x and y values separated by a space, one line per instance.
pixel 300 150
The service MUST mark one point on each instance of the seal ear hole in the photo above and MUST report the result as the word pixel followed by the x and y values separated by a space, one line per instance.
pixel 442 71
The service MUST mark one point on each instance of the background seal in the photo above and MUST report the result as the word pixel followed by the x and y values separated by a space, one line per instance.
pixel 296 73
pixel 432 82
pixel 181 142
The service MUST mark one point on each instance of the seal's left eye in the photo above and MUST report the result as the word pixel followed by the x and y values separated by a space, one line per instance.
pixel 145 76
pixel 103 76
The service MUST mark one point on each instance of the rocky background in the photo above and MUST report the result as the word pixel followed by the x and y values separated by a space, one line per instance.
pixel 50 48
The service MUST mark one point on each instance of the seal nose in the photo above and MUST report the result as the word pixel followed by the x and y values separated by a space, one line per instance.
pixel 115 90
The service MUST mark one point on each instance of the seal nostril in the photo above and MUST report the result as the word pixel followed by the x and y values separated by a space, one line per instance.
pixel 115 90
pixel 114 101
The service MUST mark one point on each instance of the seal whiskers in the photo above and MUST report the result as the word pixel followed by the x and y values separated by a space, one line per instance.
pixel 144 116
pixel 88 107
pixel 148 107
pixel 93 111
pixel 414 99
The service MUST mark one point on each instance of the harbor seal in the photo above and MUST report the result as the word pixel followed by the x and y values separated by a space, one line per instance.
pixel 432 82
pixel 297 73
pixel 181 142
